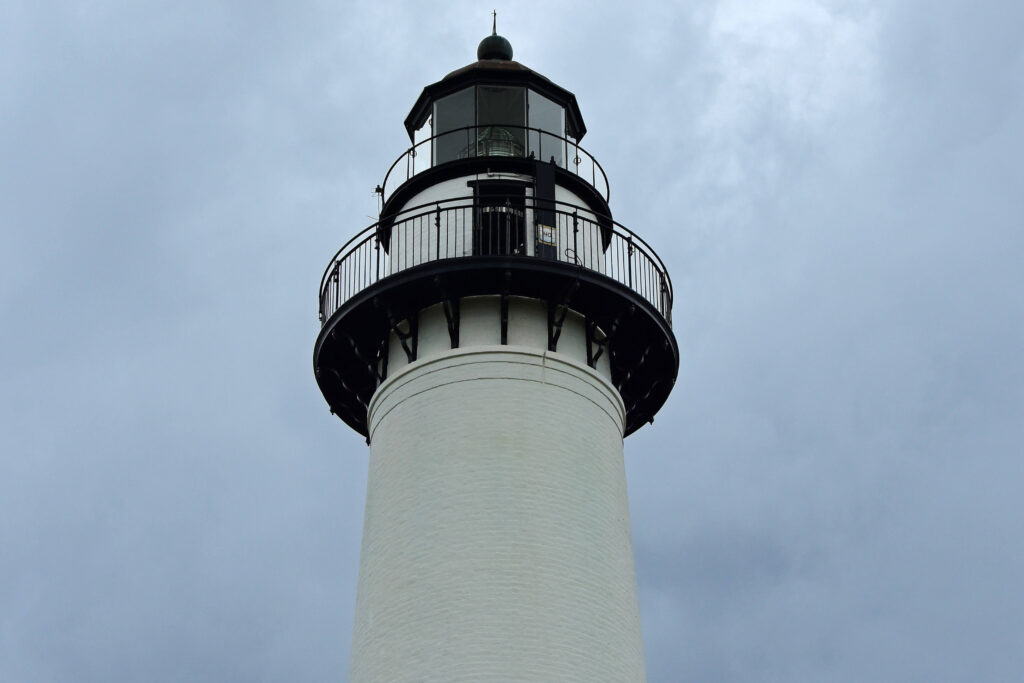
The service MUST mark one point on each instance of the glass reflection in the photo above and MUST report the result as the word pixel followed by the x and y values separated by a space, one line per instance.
pixel 495 106
pixel 491 120
pixel 450 114
pixel 547 143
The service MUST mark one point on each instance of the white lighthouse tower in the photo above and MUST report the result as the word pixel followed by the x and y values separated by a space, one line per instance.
pixel 494 336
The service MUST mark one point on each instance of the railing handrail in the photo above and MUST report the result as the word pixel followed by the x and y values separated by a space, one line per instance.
pixel 471 201
pixel 599 244
pixel 410 153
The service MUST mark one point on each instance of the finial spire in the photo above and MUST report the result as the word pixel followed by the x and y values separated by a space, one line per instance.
pixel 494 46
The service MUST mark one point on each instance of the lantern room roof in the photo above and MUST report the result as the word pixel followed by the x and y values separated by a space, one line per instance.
pixel 496 72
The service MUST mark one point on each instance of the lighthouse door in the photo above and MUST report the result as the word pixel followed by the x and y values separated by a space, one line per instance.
pixel 499 218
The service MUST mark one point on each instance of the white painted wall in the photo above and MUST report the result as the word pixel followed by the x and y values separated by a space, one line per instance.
pixel 496 543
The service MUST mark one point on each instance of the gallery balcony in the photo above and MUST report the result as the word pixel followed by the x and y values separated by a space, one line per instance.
pixel 563 254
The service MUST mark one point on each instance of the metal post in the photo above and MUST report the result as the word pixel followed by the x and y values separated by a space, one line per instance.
pixel 663 297
pixel 575 231
pixel 629 259
pixel 437 226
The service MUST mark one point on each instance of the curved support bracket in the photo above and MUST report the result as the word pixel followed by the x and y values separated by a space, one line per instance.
pixel 601 342
pixel 557 310
pixel 409 339
pixel 450 305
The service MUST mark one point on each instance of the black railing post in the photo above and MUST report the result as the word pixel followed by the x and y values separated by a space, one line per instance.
pixel 339 288
pixel 664 295
pixel 629 259
pixel 575 232
pixel 376 247
pixel 508 227
pixel 437 230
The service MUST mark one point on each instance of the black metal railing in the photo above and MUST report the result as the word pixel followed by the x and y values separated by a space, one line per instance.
pixel 495 141
pixel 509 226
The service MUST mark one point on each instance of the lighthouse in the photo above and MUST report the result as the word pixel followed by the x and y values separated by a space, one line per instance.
pixel 495 335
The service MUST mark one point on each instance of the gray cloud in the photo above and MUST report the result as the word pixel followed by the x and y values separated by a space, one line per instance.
pixel 831 491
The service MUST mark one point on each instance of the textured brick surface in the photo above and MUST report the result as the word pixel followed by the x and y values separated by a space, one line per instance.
pixel 496 541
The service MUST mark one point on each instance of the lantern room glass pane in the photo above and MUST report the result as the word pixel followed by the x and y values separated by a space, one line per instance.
pixel 501 117
pixel 549 118
pixel 452 113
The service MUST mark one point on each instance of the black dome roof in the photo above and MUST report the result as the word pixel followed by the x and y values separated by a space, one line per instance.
pixel 494 47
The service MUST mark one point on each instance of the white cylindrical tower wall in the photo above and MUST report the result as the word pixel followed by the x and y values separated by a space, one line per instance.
pixel 496 544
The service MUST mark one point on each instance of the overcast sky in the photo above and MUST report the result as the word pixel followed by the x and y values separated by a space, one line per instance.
pixel 833 491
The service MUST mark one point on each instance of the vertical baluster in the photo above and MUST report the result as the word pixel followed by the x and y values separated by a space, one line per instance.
pixel 575 232
pixel 629 261
pixel 647 280
pixel 653 281
pixel 437 226
pixel 622 263
pixel 618 258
